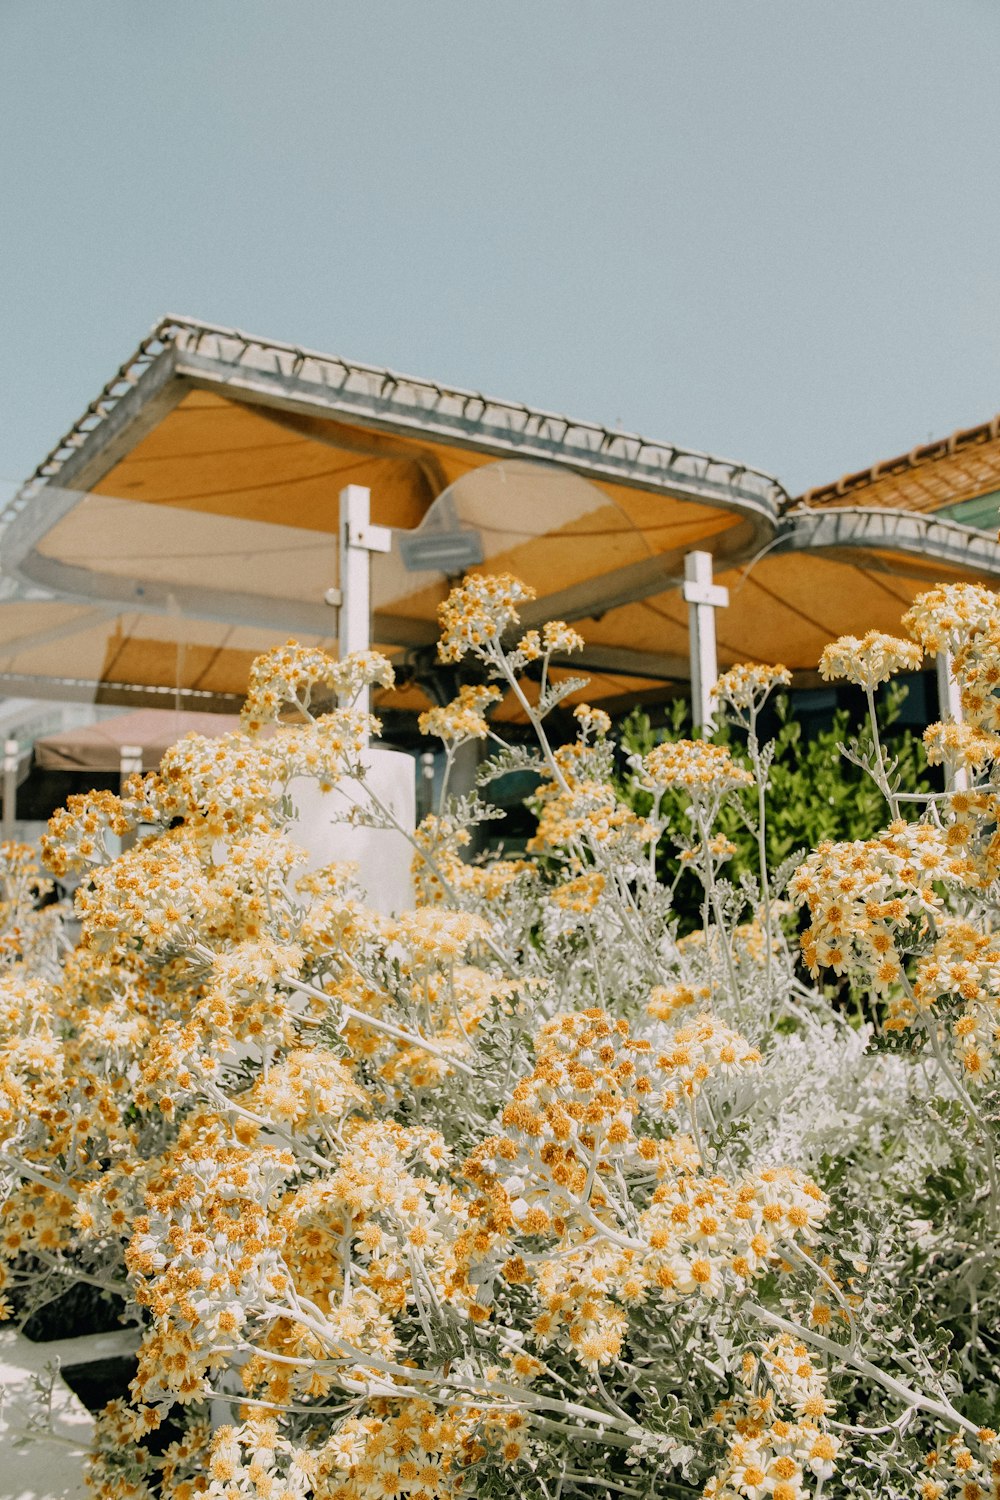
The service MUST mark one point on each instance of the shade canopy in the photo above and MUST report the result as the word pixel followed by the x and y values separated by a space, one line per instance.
pixel 150 731
pixel 822 576
pixel 189 521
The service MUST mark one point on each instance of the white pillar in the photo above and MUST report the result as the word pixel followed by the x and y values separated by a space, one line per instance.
pixel 703 599
pixel 950 710
pixel 384 856
pixel 11 762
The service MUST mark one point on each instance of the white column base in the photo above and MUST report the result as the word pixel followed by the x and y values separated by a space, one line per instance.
pixel 383 856
pixel 43 1469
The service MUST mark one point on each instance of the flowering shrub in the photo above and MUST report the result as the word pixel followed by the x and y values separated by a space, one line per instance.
pixel 519 1192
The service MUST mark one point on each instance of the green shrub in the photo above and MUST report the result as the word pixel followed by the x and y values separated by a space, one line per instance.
pixel 814 793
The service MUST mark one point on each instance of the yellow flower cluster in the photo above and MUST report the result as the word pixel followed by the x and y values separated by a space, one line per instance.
pixel 592 721
pixel 943 619
pixel 960 745
pixel 957 1471
pixel 975 669
pixel 441 874
pixel 864 896
pixel 718 849
pixel 64 1093
pixel 78 834
pixel 477 613
pixel 579 811
pixel 226 783
pixel 582 813
pixel 957 981
pixel 293 677
pixel 162 891
pixel 28 930
pixel 745 686
pixel 578 1128
pixel 871 660
pixel 581 894
pixel 667 999
pixel 778 1442
pixel 699 1049
pixel 386 1225
pixel 203 1257
pixel 464 718
pixel 401 1448
pixel 693 766
pixel 555 638
pixel 560 638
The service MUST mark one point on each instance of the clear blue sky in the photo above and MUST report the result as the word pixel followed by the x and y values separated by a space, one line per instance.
pixel 767 228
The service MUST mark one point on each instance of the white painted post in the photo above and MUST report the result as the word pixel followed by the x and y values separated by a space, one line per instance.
pixel 950 709
pixel 11 760
pixel 130 762
pixel 321 823
pixel 703 598
pixel 358 539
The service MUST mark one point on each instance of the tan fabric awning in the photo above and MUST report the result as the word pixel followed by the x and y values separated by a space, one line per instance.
pixel 98 747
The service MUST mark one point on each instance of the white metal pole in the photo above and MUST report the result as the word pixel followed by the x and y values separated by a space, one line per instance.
pixel 130 762
pixel 703 598
pixel 950 709
pixel 425 791
pixel 11 761
pixel 358 539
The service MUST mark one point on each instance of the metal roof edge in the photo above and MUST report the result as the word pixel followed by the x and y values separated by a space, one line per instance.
pixel 905 532
pixel 584 441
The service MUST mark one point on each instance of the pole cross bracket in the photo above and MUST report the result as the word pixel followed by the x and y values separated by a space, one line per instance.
pixel 706 593
pixel 369 538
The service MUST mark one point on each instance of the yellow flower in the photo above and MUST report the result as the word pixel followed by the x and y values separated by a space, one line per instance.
pixel 693 766
pixel 746 685
pixel 871 660
pixel 477 613
pixel 463 718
